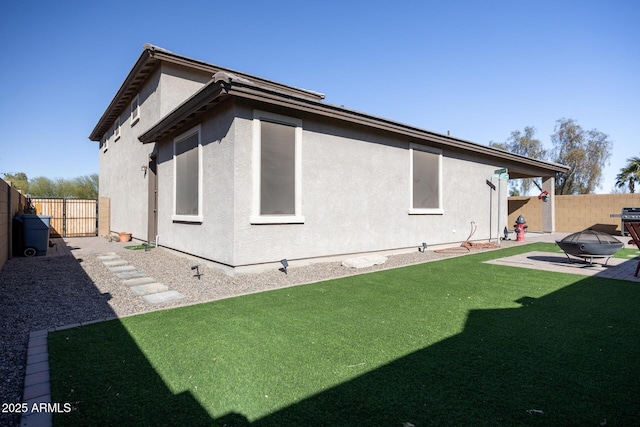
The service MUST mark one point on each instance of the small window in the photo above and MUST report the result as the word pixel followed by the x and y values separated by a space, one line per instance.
pixel 425 180
pixel 104 143
pixel 135 110
pixel 116 129
pixel 277 144
pixel 187 189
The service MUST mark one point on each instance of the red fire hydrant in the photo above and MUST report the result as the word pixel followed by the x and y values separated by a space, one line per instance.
pixel 520 227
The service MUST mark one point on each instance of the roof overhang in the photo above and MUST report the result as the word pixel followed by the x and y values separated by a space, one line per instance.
pixel 225 85
pixel 149 60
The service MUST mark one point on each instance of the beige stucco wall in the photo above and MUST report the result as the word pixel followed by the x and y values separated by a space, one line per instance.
pixel 121 177
pixel 177 84
pixel 575 213
pixel 356 198
pixel 213 238
pixel 355 195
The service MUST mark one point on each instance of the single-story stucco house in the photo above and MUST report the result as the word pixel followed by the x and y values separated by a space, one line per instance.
pixel 244 172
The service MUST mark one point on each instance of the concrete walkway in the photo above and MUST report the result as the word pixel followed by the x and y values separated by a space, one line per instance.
pixel 78 246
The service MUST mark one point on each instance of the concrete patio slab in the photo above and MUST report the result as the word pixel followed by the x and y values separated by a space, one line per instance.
pixel 615 268
pixel 162 297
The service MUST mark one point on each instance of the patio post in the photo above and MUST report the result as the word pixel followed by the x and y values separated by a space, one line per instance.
pixel 549 208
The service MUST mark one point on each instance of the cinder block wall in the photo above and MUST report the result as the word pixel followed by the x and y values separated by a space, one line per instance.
pixel 12 203
pixel 530 208
pixel 575 213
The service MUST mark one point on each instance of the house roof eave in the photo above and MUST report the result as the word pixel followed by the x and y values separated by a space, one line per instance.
pixel 143 66
pixel 238 87
pixel 419 134
pixel 147 62
pixel 185 113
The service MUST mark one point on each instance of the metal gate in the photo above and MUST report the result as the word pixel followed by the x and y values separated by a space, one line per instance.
pixel 69 217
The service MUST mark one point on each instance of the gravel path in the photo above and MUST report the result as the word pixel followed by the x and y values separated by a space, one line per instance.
pixel 45 292
pixel 38 293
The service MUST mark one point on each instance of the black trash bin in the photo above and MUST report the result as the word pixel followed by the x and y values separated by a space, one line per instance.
pixel 35 229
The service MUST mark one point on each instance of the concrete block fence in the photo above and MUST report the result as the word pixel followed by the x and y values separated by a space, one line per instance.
pixel 12 203
pixel 576 212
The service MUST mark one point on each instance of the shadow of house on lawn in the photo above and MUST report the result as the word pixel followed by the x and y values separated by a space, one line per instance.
pixel 41 293
pixel 128 390
pixel 568 358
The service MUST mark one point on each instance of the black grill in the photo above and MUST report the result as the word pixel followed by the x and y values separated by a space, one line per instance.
pixel 629 215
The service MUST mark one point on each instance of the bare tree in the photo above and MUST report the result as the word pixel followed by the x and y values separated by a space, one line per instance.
pixel 525 144
pixel 586 152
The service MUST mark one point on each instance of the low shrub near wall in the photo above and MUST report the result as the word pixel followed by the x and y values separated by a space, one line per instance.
pixel 575 213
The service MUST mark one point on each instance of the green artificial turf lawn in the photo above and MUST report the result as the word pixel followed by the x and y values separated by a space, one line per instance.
pixel 452 342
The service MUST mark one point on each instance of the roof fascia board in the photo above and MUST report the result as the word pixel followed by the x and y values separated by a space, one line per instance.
pixel 149 53
pixel 102 124
pixel 353 116
pixel 200 65
pixel 261 94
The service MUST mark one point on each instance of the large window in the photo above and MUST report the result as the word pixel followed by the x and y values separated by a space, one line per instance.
pixel 187 160
pixel 425 180
pixel 276 169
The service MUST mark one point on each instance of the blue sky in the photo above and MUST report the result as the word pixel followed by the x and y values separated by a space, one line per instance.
pixel 479 69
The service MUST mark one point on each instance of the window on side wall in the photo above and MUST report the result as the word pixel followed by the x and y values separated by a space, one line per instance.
pixel 187 167
pixel 425 180
pixel 116 129
pixel 277 187
pixel 135 110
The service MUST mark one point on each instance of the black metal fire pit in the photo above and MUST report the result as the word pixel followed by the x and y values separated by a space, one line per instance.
pixel 589 244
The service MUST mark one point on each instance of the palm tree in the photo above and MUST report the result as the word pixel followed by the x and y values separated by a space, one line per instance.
pixel 629 174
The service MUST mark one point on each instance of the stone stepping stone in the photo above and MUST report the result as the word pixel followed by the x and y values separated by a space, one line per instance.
pixel 162 297
pixel 115 263
pixel 130 274
pixel 107 257
pixel 122 268
pixel 364 261
pixel 150 288
pixel 137 281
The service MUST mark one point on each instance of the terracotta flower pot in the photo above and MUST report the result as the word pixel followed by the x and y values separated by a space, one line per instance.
pixel 125 237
